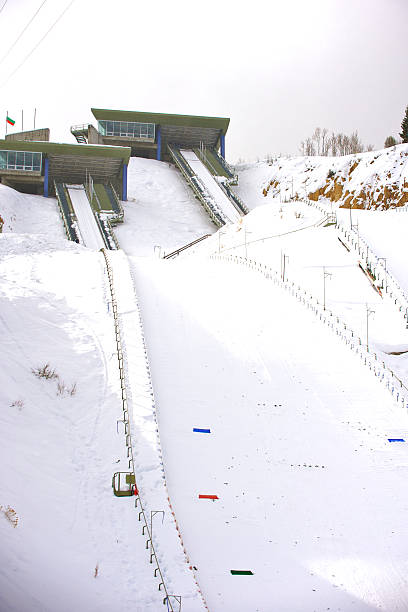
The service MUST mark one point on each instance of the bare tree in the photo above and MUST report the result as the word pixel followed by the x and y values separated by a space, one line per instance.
pixel 336 144
pixel 333 144
pixel 316 137
pixel 356 146
pixel 341 143
pixel 309 147
pixel 325 142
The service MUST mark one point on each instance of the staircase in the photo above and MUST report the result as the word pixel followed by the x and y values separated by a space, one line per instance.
pixel 80 132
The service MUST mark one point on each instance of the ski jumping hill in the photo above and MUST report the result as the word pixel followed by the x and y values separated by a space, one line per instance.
pixel 260 396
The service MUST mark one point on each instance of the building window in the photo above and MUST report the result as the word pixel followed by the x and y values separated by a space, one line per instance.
pixel 127 129
pixel 20 160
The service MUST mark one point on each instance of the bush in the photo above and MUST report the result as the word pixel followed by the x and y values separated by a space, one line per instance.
pixel 45 371
pixel 49 373
pixel 10 515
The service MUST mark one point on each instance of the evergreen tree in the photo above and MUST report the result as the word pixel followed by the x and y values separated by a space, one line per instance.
pixel 389 142
pixel 404 127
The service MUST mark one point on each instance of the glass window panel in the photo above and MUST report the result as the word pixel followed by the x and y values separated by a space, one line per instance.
pixel 20 160
pixel 11 162
pixel 28 160
pixel 129 129
pixel 37 162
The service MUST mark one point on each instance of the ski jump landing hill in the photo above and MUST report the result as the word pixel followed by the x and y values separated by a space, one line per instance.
pixel 300 502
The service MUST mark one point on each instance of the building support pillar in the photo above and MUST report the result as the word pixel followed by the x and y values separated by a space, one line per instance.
pixel 222 143
pixel 158 155
pixel 46 167
pixel 124 182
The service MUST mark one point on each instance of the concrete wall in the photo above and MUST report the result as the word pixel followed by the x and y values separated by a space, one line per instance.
pixel 94 137
pixel 32 135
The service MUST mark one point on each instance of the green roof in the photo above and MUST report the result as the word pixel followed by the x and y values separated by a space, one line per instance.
pixel 219 123
pixel 55 148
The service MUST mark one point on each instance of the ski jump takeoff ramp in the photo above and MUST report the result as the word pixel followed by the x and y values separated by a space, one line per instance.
pixel 88 227
pixel 213 188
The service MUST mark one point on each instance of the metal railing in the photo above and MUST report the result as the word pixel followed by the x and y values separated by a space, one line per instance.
pixel 115 201
pixel 198 188
pixel 389 285
pixel 227 167
pixel 125 384
pixel 68 218
pixel 128 437
pixel 351 239
pixel 378 367
pixel 83 127
pixel 186 246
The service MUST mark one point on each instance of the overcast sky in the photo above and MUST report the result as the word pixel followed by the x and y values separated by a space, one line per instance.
pixel 278 69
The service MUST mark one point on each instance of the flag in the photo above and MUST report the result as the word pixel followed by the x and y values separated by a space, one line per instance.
pixel 10 121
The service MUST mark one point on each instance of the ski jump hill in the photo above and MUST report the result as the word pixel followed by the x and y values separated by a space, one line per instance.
pixel 204 402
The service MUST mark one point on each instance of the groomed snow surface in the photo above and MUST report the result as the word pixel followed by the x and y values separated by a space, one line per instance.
pixel 89 231
pixel 311 495
pixel 221 200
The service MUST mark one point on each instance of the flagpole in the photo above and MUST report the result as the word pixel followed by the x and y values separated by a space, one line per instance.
pixel 35 112
pixel 6 121
pixel 22 121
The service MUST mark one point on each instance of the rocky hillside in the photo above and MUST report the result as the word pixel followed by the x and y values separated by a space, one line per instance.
pixel 377 179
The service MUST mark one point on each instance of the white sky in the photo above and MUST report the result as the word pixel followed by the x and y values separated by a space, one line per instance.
pixel 277 69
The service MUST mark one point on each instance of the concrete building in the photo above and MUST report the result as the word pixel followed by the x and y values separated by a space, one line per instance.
pixel 34 166
pixel 148 134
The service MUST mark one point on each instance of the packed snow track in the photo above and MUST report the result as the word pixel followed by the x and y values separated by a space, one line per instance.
pixel 88 227
pixel 220 198
pixel 279 421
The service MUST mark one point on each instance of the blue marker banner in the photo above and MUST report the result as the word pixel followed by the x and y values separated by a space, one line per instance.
pixel 198 430
pixel 396 440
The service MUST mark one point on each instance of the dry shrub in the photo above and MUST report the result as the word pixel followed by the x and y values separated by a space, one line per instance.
pixel 19 404
pixel 49 373
pixel 10 515
pixel 63 389
pixel 45 371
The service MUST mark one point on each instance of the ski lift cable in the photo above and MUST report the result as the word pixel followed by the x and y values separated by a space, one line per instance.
pixel 60 16
pixel 5 2
pixel 21 33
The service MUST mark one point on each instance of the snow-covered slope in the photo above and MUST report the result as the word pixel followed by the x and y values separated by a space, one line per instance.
pixel 377 179
pixel 162 212
pixel 74 546
pixel 311 494
pixel 29 214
